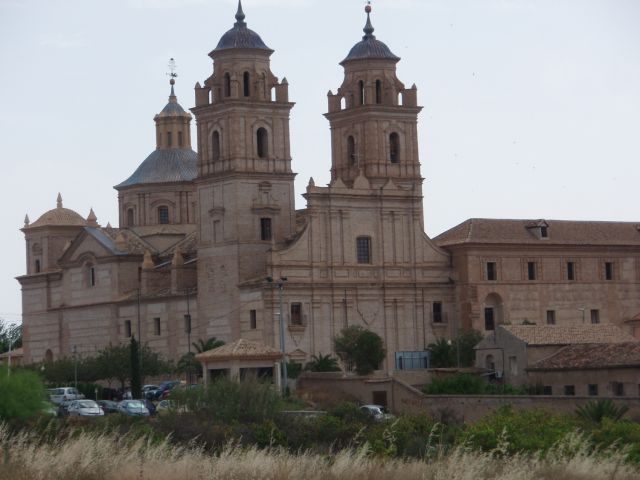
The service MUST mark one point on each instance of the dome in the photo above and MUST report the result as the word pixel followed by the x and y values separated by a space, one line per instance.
pixel 60 217
pixel 369 47
pixel 173 108
pixel 240 36
pixel 165 166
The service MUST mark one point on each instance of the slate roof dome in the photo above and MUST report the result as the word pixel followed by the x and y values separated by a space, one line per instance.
pixel 165 166
pixel 240 36
pixel 370 47
pixel 173 108
pixel 59 217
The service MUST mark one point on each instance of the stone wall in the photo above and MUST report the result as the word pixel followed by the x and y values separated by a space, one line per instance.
pixel 402 398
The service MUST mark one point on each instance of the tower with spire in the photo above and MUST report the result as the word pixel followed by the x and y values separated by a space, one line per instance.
pixel 245 182
pixel 374 118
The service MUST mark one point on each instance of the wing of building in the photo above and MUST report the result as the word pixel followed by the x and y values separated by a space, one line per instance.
pixel 199 234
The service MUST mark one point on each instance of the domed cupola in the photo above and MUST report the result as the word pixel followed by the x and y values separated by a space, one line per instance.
pixel 240 36
pixel 370 48
pixel 160 189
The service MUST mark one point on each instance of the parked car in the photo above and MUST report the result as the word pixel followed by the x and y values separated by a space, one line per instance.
pixel 84 408
pixel 378 412
pixel 63 408
pixel 134 408
pixel 58 395
pixel 108 406
pixel 150 406
pixel 165 406
pixel 162 390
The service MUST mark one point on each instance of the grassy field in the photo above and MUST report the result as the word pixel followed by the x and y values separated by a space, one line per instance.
pixel 91 456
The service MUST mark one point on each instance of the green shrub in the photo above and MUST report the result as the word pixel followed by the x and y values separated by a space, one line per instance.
pixel 225 401
pixel 597 410
pixel 460 384
pixel 523 431
pixel 322 363
pixel 623 433
pixel 364 348
pixel 22 395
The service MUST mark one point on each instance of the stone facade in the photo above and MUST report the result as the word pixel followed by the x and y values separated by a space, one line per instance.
pixel 200 233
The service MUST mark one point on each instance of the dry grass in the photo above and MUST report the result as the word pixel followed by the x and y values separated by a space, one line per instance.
pixel 92 456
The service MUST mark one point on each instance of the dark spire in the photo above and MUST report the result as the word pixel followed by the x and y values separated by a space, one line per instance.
pixel 172 97
pixel 368 28
pixel 240 16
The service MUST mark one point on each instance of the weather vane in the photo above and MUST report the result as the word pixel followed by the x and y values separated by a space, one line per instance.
pixel 172 70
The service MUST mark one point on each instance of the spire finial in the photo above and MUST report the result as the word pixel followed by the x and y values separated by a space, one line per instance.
pixel 368 28
pixel 59 201
pixel 172 73
pixel 240 16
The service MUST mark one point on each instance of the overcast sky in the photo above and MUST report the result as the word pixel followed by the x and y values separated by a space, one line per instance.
pixel 531 106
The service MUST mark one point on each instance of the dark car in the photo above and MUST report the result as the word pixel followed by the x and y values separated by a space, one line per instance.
pixel 63 408
pixel 150 406
pixel 163 390
pixel 108 406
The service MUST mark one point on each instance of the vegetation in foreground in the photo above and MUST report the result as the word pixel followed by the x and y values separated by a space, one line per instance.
pixel 90 456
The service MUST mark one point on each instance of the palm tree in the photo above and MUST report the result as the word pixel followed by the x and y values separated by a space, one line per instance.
pixel 204 346
pixel 323 363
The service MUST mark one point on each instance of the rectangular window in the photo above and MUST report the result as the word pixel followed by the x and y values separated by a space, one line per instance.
pixel 531 270
pixel 489 320
pixel 187 323
pixel 265 229
pixel 253 322
pixel 437 312
pixel 551 317
pixel 547 390
pixel 608 271
pixel 156 326
pixel 593 390
pixel 169 141
pixel 492 273
pixel 570 390
pixel 363 249
pixel 571 271
pixel 618 389
pixel 127 328
pixel 296 314
pixel 216 231
pixel 544 232
pixel 180 139
pixel 513 365
pixel 92 276
pixel 595 316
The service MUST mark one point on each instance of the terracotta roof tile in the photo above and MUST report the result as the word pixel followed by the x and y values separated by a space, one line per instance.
pixel 592 356
pixel 575 334
pixel 564 232
pixel 241 350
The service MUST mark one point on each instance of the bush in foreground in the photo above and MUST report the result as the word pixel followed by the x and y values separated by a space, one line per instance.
pixel 21 395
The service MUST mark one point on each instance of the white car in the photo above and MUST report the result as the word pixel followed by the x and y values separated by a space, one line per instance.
pixel 84 408
pixel 134 408
pixel 59 395
pixel 378 412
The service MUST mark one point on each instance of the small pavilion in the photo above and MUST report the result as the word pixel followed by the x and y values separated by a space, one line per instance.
pixel 241 360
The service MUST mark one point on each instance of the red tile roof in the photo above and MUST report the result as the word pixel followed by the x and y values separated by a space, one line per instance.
pixel 574 334
pixel 495 231
pixel 592 356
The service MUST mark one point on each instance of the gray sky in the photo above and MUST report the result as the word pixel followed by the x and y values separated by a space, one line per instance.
pixel 531 106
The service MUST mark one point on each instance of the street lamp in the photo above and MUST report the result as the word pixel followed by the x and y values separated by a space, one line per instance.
pixel 279 284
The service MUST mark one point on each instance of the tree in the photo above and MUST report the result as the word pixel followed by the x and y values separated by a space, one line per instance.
pixel 360 347
pixel 445 353
pixel 322 363
pixel 9 335
pixel 597 411
pixel 22 394
pixel 136 380
pixel 204 346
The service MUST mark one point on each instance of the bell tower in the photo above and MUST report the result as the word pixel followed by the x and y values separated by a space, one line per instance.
pixel 374 118
pixel 245 183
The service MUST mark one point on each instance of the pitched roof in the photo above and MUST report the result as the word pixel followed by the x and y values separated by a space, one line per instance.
pixel 564 232
pixel 241 349
pixel 574 334
pixel 592 356
pixel 18 352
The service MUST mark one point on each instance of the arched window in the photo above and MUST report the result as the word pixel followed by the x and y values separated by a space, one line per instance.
pixel 37 266
pixel 246 79
pixel 262 138
pixel 215 145
pixel 394 148
pixel 361 92
pixel 91 275
pixel 227 84
pixel 130 217
pixel 363 249
pixel 378 92
pixel 163 215
pixel 48 356
pixel 351 151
